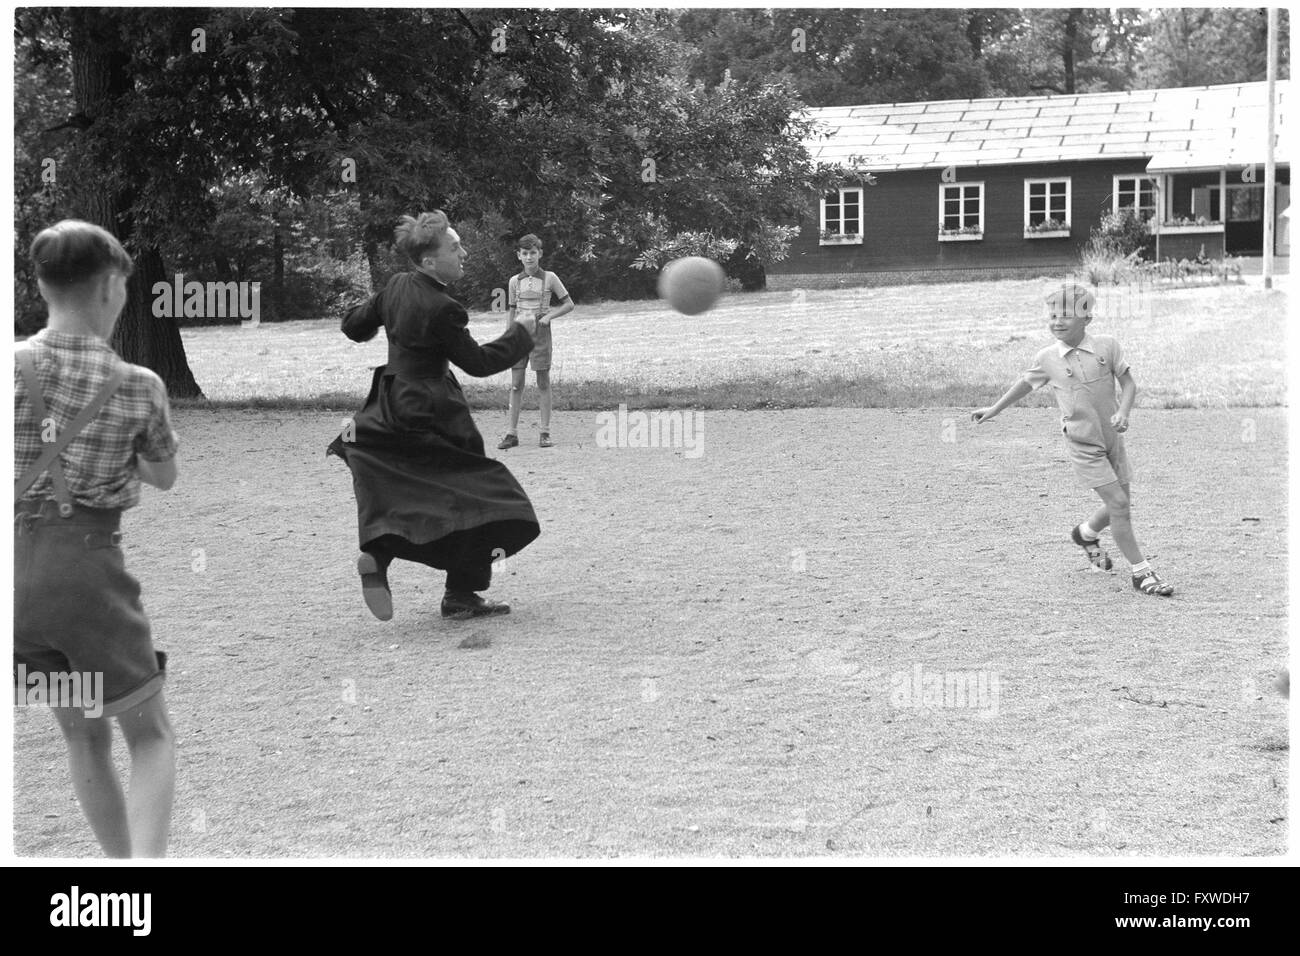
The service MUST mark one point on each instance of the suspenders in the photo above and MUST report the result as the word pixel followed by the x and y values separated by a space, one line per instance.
pixel 49 457
pixel 546 286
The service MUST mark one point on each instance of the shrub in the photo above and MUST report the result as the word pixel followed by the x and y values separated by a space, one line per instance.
pixel 1121 233
pixel 1100 265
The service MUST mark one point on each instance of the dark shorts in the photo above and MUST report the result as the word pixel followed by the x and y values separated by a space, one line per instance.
pixel 78 620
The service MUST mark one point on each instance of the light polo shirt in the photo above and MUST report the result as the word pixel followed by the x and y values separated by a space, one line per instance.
pixel 1083 381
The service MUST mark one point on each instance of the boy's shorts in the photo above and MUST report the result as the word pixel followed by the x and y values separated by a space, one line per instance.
pixel 77 610
pixel 539 359
pixel 1096 466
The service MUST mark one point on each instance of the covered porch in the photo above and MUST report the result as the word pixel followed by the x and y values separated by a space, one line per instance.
pixel 1216 201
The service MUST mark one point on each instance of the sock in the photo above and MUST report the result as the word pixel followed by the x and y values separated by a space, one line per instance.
pixel 1086 532
pixel 1142 568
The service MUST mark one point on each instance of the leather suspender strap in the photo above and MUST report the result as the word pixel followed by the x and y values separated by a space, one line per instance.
pixel 49 457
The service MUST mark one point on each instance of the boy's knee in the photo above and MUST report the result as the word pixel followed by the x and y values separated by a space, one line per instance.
pixel 147 725
pixel 89 732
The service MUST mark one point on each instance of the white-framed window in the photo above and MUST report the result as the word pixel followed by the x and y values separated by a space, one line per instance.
pixel 1047 200
pixel 961 210
pixel 1137 193
pixel 842 214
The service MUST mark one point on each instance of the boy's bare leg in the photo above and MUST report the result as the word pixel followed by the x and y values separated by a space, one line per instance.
pixel 1100 519
pixel 94 778
pixel 149 738
pixel 544 397
pixel 516 397
pixel 1116 498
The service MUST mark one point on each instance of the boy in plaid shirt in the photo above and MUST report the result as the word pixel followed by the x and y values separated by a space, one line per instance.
pixel 77 610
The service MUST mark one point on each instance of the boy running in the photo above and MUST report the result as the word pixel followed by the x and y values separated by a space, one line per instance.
pixel 1083 371
pixel 77 611
pixel 533 292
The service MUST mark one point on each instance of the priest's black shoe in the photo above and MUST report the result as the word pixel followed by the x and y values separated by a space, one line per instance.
pixel 465 604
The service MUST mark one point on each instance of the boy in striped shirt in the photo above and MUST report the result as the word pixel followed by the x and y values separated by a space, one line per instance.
pixel 541 294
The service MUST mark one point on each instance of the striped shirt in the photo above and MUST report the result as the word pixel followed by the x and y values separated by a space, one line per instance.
pixel 534 294
pixel 99 464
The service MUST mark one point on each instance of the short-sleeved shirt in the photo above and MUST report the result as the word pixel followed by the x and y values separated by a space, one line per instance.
pixel 99 464
pixel 1083 381
pixel 535 293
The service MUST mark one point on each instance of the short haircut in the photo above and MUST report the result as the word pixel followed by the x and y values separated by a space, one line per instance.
pixel 418 237
pixel 71 252
pixel 528 242
pixel 1070 299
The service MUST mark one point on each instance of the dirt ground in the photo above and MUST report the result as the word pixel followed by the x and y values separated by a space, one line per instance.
pixel 723 655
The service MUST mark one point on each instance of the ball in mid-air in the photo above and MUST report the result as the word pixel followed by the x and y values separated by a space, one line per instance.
pixel 692 285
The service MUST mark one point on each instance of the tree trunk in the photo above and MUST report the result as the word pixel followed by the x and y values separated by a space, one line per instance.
pixel 224 272
pixel 975 33
pixel 1071 37
pixel 372 262
pixel 277 270
pixel 100 76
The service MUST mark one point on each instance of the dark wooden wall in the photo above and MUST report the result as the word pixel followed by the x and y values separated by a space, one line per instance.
pixel 901 221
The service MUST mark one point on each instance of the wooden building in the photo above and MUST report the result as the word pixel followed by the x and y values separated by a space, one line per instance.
pixel 1011 187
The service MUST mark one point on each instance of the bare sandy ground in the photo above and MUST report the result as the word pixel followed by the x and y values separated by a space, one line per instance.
pixel 730 653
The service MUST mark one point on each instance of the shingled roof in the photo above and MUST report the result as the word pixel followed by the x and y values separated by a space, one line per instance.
pixel 1193 127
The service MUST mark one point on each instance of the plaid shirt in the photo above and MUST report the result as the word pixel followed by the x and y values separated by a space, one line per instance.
pixel 99 464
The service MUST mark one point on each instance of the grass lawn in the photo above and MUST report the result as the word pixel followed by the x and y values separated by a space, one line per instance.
pixel 908 346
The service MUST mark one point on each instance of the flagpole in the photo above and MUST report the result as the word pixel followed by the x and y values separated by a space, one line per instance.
pixel 1270 167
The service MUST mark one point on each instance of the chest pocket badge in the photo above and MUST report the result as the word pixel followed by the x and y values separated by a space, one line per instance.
pixel 1091 368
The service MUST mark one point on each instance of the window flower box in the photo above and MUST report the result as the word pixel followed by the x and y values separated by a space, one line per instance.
pixel 1186 226
pixel 841 239
pixel 964 234
pixel 1048 229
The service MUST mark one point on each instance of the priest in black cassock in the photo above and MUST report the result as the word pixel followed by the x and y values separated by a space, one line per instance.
pixel 426 492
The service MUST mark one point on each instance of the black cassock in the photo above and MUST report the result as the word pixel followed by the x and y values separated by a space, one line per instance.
pixel 425 489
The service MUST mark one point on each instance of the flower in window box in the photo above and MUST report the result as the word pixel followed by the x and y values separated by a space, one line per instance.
pixel 1189 221
pixel 1049 225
